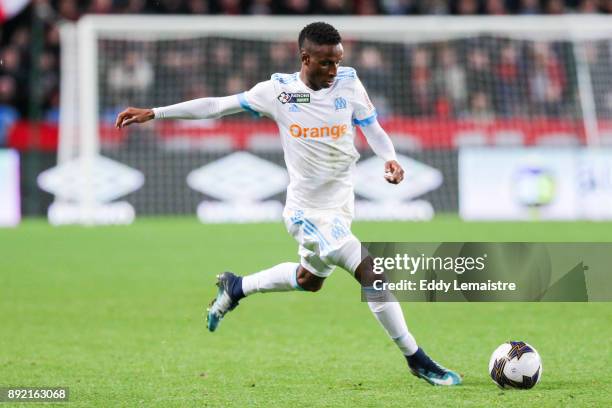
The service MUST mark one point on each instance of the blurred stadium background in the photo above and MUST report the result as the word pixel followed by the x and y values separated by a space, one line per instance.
pixel 462 90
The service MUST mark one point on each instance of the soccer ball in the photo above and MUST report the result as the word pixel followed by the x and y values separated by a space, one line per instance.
pixel 515 364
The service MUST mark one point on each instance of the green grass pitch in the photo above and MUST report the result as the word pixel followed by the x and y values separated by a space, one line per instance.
pixel 116 314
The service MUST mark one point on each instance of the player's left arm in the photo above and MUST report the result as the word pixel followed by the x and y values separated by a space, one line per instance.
pixel 382 146
pixel 364 116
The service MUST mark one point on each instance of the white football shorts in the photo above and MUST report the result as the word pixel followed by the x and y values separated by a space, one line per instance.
pixel 325 239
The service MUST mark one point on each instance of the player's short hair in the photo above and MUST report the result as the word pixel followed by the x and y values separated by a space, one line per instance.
pixel 319 33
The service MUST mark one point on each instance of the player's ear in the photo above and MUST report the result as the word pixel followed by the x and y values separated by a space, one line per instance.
pixel 304 57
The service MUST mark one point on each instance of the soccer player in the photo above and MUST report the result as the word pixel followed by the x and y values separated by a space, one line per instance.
pixel 316 110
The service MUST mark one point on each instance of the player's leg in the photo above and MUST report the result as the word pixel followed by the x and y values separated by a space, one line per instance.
pixel 388 312
pixel 308 275
pixel 348 253
pixel 383 305
pixel 385 308
pixel 287 276
pixel 309 281
pixel 280 278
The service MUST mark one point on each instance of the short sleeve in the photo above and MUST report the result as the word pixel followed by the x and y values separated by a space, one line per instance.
pixel 259 100
pixel 364 112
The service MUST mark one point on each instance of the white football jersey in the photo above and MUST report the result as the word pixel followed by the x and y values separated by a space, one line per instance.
pixel 317 130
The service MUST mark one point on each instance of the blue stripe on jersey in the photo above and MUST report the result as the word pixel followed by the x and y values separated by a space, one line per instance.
pixel 367 121
pixel 309 223
pixel 310 232
pixel 346 72
pixel 317 237
pixel 285 78
pixel 245 104
pixel 316 231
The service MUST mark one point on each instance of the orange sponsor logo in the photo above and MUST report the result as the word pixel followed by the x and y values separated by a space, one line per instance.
pixel 334 131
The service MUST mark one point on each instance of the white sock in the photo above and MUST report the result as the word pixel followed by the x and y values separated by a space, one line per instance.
pixel 390 315
pixel 279 278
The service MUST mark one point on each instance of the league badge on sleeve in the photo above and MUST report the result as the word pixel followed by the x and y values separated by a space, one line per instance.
pixel 284 97
pixel 289 97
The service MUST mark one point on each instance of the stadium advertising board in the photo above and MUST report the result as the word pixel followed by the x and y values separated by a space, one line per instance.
pixel 425 134
pixel 395 202
pixel 241 181
pixel 10 204
pixel 245 187
pixel 84 199
pixel 412 133
pixel 535 183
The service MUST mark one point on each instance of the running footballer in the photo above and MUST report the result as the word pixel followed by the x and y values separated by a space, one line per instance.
pixel 317 110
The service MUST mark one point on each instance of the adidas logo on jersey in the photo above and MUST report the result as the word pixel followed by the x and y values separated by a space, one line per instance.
pixel 334 131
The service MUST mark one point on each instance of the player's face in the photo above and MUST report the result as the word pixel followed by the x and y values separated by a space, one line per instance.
pixel 320 64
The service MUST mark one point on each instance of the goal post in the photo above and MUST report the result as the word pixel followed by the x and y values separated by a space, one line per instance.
pixel 439 83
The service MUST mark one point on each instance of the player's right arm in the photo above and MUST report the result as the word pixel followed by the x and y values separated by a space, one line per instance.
pixel 257 101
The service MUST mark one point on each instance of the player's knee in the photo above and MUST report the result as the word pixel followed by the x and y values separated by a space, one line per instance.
pixel 310 286
pixel 309 281
pixel 365 272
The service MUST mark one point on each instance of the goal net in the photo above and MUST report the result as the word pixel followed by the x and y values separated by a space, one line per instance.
pixel 440 84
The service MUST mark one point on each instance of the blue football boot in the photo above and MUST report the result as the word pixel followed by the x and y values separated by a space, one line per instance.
pixel 425 368
pixel 223 302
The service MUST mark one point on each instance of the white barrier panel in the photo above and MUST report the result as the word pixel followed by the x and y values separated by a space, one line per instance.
pixel 417 210
pixel 594 192
pixel 535 183
pixel 10 204
pixel 68 182
pixel 117 213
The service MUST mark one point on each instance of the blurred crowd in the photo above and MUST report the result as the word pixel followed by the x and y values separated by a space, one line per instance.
pixel 71 9
pixel 477 78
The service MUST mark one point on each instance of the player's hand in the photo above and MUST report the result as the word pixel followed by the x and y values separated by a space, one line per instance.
pixel 133 115
pixel 394 173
